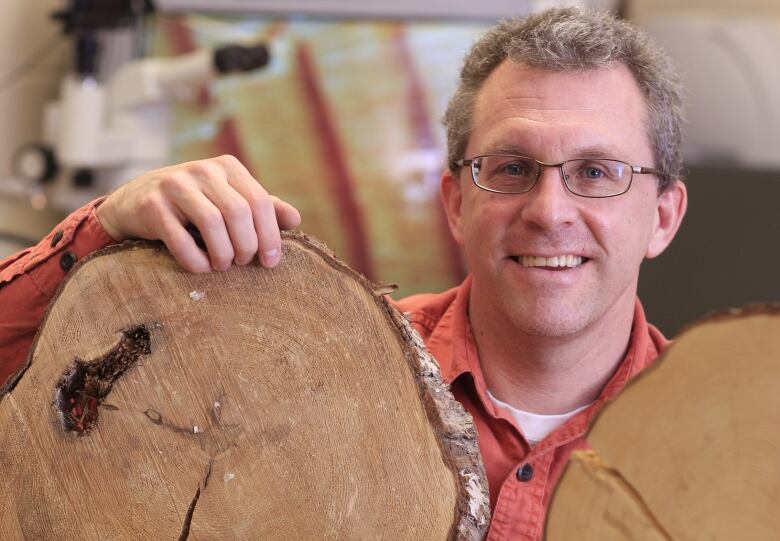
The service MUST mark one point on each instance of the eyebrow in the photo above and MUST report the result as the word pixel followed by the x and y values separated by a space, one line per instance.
pixel 504 148
pixel 596 151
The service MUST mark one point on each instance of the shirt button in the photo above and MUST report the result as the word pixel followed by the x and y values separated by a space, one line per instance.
pixel 56 238
pixel 67 260
pixel 525 473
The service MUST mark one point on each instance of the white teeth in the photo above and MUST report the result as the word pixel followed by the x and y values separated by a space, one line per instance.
pixel 570 261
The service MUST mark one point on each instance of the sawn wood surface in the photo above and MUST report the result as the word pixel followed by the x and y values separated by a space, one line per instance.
pixel 290 403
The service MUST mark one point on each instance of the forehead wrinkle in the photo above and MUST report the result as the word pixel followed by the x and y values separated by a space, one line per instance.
pixel 536 114
pixel 535 131
pixel 554 117
pixel 528 97
pixel 532 100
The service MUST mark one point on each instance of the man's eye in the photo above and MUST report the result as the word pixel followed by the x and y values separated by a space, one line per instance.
pixel 515 169
pixel 592 173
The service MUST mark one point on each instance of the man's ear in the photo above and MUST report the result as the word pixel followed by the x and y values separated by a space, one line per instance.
pixel 672 204
pixel 451 196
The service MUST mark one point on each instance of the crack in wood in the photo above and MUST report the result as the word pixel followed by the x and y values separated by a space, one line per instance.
pixel 185 527
pixel 643 505
pixel 83 387
pixel 592 461
pixel 215 437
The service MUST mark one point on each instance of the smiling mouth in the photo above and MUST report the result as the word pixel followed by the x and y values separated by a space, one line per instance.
pixel 555 262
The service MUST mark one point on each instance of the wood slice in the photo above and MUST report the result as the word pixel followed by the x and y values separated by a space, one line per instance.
pixel 291 403
pixel 690 449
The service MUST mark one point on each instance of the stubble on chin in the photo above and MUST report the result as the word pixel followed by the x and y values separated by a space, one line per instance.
pixel 535 319
pixel 542 315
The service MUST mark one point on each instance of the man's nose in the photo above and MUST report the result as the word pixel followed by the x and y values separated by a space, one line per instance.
pixel 550 204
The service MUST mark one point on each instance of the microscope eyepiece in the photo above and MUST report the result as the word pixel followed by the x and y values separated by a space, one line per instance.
pixel 238 58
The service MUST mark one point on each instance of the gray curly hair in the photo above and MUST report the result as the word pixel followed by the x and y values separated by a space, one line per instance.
pixel 575 39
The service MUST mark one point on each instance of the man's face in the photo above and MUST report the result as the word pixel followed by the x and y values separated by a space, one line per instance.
pixel 554 116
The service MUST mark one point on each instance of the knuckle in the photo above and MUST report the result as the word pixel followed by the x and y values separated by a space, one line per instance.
pixel 228 160
pixel 205 170
pixel 150 206
pixel 244 255
pixel 224 259
pixel 254 199
pixel 258 201
pixel 262 204
pixel 270 240
pixel 211 220
pixel 174 242
pixel 237 211
pixel 173 184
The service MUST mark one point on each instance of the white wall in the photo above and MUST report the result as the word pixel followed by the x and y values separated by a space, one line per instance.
pixel 25 27
pixel 643 10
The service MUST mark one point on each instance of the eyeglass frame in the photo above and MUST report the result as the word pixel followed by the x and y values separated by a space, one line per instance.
pixel 635 169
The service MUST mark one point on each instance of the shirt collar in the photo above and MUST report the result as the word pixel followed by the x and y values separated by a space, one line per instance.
pixel 451 342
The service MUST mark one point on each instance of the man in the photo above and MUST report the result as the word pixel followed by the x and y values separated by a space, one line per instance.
pixel 564 159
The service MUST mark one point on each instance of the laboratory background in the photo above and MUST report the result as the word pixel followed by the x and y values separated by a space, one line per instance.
pixel 335 107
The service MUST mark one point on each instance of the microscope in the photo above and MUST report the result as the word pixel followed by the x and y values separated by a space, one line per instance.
pixel 106 130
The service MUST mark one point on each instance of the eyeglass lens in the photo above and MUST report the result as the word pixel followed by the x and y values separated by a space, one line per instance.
pixel 586 177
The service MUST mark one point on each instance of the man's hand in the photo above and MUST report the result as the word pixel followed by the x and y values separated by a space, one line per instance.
pixel 236 217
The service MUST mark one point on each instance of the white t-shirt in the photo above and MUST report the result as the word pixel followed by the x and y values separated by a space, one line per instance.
pixel 535 427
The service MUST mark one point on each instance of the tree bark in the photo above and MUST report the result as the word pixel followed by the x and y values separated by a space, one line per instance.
pixel 290 403
pixel 690 449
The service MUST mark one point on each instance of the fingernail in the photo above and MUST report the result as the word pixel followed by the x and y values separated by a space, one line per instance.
pixel 270 257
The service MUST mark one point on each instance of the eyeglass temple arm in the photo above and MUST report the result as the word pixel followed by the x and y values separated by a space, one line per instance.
pixel 646 170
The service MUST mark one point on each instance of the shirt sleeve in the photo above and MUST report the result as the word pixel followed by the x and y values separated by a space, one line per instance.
pixel 30 278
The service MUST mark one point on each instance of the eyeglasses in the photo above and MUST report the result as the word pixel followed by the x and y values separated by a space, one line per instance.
pixel 586 177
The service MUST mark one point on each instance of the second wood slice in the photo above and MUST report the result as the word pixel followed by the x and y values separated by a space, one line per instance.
pixel 690 449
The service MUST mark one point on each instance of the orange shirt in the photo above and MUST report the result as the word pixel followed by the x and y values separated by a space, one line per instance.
pixel 28 279
pixel 521 479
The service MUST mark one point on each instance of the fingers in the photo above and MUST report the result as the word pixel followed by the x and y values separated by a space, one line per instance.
pixel 235 216
pixel 287 216
pixel 200 211
pixel 157 218
pixel 269 240
pixel 182 245
pixel 269 243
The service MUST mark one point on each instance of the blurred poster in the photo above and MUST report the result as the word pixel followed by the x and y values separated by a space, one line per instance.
pixel 344 124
